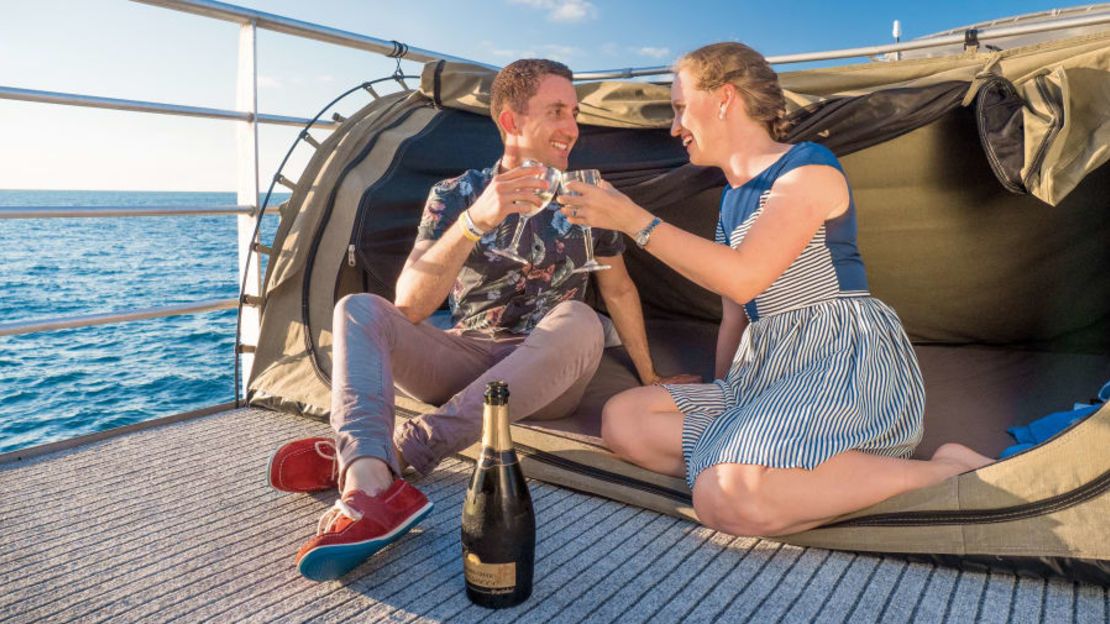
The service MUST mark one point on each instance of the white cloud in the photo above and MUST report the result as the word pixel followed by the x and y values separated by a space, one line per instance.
pixel 568 11
pixel 268 82
pixel 511 53
pixel 610 48
pixel 326 78
pixel 560 52
pixel 653 52
pixel 550 50
pixel 573 11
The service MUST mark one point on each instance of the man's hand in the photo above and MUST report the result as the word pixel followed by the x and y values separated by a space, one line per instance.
pixel 509 192
pixel 681 378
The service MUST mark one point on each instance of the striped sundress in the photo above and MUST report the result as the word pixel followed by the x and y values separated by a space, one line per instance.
pixel 822 367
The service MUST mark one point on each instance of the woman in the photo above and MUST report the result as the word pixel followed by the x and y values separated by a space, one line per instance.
pixel 818 399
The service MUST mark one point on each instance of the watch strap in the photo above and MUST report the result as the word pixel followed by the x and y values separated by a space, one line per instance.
pixel 644 235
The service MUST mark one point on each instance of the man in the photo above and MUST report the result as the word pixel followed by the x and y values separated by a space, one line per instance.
pixel 525 324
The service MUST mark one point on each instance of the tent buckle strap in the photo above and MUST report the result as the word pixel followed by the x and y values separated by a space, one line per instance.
pixel 337 118
pixel 251 300
pixel 437 83
pixel 311 140
pixel 286 182
pixel 262 249
pixel 370 89
pixel 982 76
pixel 971 39
pixel 245 348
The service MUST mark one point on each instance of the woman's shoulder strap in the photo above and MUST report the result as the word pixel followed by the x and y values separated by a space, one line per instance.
pixel 809 153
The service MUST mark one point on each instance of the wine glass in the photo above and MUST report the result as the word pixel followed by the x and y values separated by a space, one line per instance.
pixel 554 178
pixel 593 178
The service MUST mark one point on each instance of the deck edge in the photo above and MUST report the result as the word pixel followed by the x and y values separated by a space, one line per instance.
pixel 30 452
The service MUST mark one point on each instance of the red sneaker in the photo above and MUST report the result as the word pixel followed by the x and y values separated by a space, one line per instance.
pixel 308 465
pixel 358 526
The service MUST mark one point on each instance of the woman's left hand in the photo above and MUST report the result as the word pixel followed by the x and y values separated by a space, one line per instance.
pixel 681 378
pixel 603 207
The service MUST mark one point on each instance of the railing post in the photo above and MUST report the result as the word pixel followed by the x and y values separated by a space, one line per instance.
pixel 247 142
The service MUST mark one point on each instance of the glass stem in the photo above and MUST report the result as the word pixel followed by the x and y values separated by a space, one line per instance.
pixel 515 244
pixel 588 238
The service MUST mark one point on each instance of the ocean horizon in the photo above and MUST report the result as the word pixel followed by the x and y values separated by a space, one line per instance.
pixel 60 384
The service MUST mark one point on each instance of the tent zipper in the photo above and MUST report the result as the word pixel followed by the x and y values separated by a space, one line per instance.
pixel 598 473
pixel 1071 498
pixel 360 218
pixel 393 115
pixel 1081 494
pixel 604 475
pixel 984 138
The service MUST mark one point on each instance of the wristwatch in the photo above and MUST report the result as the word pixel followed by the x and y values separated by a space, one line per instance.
pixel 643 236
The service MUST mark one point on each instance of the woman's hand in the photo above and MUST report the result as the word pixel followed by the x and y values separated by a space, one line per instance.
pixel 681 378
pixel 603 207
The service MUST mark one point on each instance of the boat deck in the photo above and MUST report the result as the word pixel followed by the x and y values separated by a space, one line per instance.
pixel 177 523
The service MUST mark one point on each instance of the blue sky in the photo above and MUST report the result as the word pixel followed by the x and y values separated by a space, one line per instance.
pixel 116 48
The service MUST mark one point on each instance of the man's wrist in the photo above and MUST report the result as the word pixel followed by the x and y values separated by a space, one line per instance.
pixel 472 230
pixel 480 224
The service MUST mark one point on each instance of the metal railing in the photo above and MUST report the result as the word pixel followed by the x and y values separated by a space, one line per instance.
pixel 139 106
pixel 87 320
pixel 247 209
pixel 248 118
pixel 308 30
pixel 999 32
pixel 79 212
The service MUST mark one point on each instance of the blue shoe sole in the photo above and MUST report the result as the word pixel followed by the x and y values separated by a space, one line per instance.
pixel 327 563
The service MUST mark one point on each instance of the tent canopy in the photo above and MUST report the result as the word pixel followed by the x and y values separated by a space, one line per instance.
pixel 1064 87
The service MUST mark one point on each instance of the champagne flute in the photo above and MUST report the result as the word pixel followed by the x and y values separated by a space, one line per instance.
pixel 553 177
pixel 593 178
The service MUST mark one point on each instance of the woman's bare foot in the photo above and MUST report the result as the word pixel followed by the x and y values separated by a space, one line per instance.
pixel 961 457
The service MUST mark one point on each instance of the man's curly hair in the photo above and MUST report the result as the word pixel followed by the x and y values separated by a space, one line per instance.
pixel 518 81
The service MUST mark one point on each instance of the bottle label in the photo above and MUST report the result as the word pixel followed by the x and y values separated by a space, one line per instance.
pixel 490 576
pixel 491 458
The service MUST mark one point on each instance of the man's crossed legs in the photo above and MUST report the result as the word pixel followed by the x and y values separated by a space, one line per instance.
pixel 376 349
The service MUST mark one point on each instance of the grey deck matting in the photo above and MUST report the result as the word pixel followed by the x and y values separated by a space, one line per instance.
pixel 177 523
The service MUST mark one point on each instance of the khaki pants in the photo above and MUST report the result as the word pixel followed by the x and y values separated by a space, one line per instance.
pixel 377 348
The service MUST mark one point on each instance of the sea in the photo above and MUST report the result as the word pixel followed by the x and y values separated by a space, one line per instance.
pixel 60 384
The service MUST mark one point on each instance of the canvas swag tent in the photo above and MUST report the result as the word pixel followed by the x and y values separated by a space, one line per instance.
pixel 981 184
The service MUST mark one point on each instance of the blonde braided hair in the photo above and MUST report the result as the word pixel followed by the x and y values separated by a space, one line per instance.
pixel 717 64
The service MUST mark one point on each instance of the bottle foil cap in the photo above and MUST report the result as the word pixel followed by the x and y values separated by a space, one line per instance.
pixel 497 393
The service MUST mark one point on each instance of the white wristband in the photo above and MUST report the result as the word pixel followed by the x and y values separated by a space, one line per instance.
pixel 469 227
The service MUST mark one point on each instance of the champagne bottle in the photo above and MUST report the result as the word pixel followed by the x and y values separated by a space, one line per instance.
pixel 498 524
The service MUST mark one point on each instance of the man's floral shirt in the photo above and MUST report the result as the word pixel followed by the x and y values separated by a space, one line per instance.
pixel 493 293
